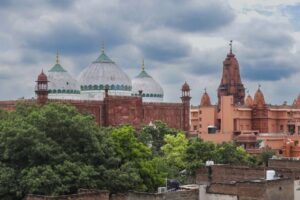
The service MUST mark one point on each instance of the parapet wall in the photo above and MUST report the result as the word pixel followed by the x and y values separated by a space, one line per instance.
pixel 104 195
pixel 91 195
pixel 177 195
pixel 224 173
pixel 279 189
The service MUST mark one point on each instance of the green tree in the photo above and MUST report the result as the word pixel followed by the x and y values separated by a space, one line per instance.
pixel 153 135
pixel 49 150
pixel 198 152
pixel 265 156
pixel 231 153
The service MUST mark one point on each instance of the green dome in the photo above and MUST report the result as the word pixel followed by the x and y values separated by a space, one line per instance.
pixel 143 74
pixel 103 58
pixel 57 68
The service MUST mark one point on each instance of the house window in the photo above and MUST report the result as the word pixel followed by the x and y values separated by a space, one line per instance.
pixel 195 128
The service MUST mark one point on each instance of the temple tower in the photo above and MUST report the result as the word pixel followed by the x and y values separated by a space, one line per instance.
pixel 231 84
pixel 41 88
pixel 260 112
pixel 185 98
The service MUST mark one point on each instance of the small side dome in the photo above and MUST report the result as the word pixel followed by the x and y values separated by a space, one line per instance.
pixel 185 87
pixel 61 84
pixel 259 99
pixel 42 77
pixel 205 100
pixel 151 90
pixel 249 100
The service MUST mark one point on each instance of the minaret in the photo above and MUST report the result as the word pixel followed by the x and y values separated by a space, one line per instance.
pixel 231 83
pixel 41 89
pixel 185 98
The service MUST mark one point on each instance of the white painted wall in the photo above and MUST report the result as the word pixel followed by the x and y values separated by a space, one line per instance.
pixel 297 189
pixel 205 196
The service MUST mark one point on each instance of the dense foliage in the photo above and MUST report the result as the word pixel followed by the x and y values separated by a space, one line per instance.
pixel 53 149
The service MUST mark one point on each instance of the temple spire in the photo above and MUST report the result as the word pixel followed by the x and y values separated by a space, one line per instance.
pixel 57 57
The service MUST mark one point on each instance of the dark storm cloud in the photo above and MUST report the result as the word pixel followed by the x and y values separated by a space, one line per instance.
pixel 264 51
pixel 208 17
pixel 163 48
pixel 267 70
pixel 70 39
pixel 16 4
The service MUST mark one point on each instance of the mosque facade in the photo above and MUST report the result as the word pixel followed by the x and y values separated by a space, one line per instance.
pixel 249 121
pixel 106 91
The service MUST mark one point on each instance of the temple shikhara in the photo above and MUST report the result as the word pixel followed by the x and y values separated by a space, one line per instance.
pixel 106 91
pixel 249 121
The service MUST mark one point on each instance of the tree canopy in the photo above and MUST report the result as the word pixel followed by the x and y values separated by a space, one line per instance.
pixel 53 150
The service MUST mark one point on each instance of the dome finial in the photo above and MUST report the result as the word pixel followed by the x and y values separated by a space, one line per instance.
pixel 102 47
pixel 230 44
pixel 143 65
pixel 259 86
pixel 205 90
pixel 57 57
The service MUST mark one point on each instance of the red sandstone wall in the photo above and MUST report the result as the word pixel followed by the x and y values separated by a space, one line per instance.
pixel 8 105
pixel 123 110
pixel 92 107
pixel 171 114
pixel 117 110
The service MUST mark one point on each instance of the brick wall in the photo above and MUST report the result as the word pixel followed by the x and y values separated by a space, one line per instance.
pixel 221 173
pixel 178 195
pixel 284 163
pixel 285 167
pixel 280 189
pixel 91 195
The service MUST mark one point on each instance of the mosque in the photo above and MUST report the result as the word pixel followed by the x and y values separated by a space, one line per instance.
pixel 251 122
pixel 106 91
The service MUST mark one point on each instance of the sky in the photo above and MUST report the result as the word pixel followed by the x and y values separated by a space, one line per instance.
pixel 179 41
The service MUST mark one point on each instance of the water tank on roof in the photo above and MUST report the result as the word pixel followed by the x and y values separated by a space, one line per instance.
pixel 270 174
pixel 209 163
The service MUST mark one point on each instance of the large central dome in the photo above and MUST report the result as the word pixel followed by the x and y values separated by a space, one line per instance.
pixel 101 74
